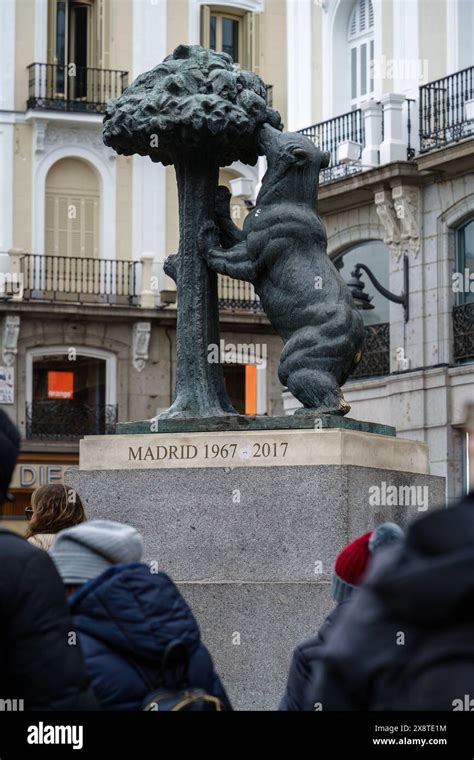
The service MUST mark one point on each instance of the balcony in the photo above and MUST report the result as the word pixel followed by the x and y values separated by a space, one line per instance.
pixel 444 110
pixel 236 295
pixel 79 280
pixel 73 88
pixel 328 135
pixel 378 133
pixel 463 333
pixel 68 420
pixel 376 352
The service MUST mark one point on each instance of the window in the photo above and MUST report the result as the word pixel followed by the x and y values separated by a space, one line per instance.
pixel 465 263
pixel 361 43
pixel 376 256
pixel 72 46
pixel 236 34
pixel 72 210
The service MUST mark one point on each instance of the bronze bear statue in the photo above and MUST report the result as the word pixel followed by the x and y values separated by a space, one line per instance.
pixel 282 250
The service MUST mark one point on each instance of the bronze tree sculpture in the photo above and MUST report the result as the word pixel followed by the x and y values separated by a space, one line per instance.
pixel 197 112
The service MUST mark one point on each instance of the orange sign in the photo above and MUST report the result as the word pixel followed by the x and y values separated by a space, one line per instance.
pixel 61 385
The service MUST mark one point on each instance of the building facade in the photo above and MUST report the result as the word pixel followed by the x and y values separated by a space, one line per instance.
pixel 87 314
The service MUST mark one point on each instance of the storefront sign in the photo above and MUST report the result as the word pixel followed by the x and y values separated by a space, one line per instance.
pixel 34 475
pixel 7 385
pixel 61 385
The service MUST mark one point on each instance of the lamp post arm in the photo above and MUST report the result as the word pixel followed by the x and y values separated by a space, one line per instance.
pixel 402 298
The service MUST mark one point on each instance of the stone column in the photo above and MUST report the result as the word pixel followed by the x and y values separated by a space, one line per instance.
pixel 394 145
pixel 147 296
pixel 372 113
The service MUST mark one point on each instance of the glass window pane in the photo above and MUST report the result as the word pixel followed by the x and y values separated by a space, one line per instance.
pixel 363 69
pixel 465 261
pixel 371 64
pixel 354 73
pixel 230 37
pixel 212 35
pixel 377 257
pixel 60 45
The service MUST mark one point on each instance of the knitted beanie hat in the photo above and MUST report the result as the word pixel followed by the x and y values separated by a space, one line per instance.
pixel 353 560
pixel 87 550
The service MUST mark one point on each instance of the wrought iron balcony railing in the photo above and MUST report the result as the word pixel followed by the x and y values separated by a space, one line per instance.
pixel 73 88
pixel 328 135
pixel 376 352
pixel 237 294
pixel 83 280
pixel 269 92
pixel 463 333
pixel 443 117
pixel 63 420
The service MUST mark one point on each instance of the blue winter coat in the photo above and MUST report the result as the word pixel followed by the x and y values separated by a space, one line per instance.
pixel 129 615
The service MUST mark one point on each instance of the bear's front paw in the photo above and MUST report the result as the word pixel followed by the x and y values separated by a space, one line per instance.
pixel 208 236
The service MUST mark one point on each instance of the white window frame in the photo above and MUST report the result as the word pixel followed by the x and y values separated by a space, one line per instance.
pixel 356 43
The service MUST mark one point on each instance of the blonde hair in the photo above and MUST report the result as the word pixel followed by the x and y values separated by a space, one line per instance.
pixel 55 507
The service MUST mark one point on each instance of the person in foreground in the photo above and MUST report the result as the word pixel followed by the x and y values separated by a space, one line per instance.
pixel 38 667
pixel 351 565
pixel 54 507
pixel 406 641
pixel 126 615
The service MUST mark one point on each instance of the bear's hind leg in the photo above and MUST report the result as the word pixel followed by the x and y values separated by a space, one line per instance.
pixel 317 390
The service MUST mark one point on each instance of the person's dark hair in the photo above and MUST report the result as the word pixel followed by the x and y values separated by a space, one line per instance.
pixel 9 448
pixel 55 507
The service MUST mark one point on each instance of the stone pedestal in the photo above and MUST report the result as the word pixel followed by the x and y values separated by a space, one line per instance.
pixel 249 523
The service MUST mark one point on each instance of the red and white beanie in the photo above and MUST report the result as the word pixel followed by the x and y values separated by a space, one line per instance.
pixel 353 560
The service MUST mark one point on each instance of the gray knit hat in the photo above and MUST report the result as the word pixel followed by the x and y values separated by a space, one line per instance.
pixel 85 551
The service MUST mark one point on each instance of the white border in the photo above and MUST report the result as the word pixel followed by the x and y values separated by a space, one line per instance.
pixel 105 171
pixel 194 17
pixel 96 353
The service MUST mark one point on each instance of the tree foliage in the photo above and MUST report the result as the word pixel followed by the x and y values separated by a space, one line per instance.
pixel 194 101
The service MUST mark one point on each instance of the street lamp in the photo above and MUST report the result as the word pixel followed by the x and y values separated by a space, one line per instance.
pixel 362 299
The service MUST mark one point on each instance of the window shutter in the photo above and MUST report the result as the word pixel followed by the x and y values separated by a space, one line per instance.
pixel 205 25
pixel 251 59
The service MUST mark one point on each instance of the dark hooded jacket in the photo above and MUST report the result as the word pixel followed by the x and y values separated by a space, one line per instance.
pixel 406 640
pixel 303 661
pixel 37 665
pixel 125 619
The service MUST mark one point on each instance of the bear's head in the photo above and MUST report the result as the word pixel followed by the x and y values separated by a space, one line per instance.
pixel 294 163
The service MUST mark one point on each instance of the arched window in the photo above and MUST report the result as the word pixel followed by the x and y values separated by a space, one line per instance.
pixel 360 38
pixel 376 256
pixel 72 199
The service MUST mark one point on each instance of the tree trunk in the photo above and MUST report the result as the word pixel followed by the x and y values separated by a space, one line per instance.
pixel 200 387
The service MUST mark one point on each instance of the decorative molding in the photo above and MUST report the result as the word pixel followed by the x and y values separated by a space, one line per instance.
pixel 141 341
pixel 85 138
pixel 406 201
pixel 39 135
pixel 11 333
pixel 389 220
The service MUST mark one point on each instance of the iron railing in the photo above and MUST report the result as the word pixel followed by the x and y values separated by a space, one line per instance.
pixel 237 294
pixel 68 419
pixel 83 280
pixel 463 333
pixel 442 115
pixel 375 353
pixel 328 135
pixel 73 88
pixel 269 94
